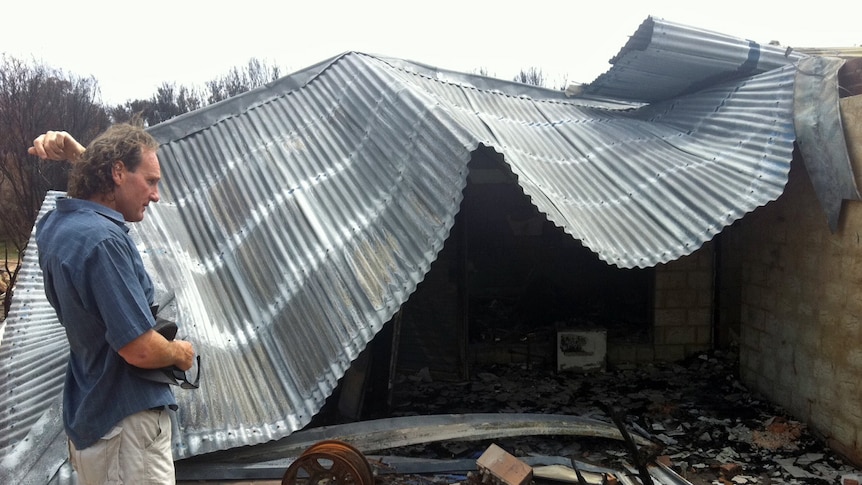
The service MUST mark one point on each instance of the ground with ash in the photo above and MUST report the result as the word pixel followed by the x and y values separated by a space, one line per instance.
pixel 708 427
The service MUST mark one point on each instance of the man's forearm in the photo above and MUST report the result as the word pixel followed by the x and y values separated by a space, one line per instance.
pixel 152 351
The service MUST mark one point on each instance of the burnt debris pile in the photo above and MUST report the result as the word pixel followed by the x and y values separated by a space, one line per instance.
pixel 705 424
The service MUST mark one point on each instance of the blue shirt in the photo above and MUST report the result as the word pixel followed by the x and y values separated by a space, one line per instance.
pixel 96 281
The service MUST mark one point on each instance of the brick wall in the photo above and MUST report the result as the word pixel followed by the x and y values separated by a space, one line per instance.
pixel 801 311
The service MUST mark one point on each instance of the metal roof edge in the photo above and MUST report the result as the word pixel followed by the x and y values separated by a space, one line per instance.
pixel 194 121
pixel 478 81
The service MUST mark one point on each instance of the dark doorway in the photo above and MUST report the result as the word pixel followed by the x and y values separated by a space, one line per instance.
pixel 507 279
pixel 527 278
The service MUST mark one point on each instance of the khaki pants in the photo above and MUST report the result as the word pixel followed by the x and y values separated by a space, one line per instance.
pixel 136 451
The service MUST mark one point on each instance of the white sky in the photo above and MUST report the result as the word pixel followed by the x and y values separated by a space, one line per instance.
pixel 132 47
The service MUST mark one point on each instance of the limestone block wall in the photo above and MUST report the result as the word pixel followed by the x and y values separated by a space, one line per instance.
pixel 801 311
pixel 684 305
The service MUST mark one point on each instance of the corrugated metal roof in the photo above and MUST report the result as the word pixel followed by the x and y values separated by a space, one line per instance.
pixel 664 59
pixel 296 219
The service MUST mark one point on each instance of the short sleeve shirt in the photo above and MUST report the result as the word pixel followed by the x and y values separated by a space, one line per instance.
pixel 95 280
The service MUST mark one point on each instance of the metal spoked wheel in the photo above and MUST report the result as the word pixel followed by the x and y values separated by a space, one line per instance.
pixel 330 462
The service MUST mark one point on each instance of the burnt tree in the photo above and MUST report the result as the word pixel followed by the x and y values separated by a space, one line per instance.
pixel 35 98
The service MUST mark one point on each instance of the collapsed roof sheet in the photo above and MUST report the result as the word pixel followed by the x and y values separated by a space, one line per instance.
pixel 664 59
pixel 296 219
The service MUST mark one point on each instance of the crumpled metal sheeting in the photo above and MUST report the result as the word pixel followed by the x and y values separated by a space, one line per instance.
pixel 33 358
pixel 821 135
pixel 305 223
pixel 641 186
pixel 663 60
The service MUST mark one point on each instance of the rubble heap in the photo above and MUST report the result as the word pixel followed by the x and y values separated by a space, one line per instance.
pixel 706 425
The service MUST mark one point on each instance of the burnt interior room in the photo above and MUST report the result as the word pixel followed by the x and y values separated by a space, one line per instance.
pixel 503 286
pixel 526 277
pixel 507 280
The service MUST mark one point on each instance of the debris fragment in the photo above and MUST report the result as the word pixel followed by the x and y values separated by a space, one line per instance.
pixel 501 468
pixel 851 479
pixel 730 470
pixel 780 433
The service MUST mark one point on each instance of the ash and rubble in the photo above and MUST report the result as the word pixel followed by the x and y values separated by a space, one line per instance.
pixel 706 425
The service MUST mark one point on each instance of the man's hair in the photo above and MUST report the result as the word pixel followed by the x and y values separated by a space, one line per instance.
pixel 92 174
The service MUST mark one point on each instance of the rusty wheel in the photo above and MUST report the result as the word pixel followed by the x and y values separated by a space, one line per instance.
pixel 330 462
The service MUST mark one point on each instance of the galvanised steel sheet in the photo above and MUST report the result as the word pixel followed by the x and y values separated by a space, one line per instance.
pixel 640 186
pixel 664 59
pixel 296 219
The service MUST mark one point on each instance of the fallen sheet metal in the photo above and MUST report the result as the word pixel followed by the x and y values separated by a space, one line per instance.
pixel 820 135
pixel 382 434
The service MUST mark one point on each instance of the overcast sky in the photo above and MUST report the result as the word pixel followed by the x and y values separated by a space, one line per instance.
pixel 132 47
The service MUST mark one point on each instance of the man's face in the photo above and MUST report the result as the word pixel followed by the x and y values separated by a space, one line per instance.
pixel 135 190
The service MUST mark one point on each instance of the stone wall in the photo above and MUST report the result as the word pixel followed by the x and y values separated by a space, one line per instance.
pixel 683 305
pixel 801 313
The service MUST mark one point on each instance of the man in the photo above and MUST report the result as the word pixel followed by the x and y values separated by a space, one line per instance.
pixel 118 424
